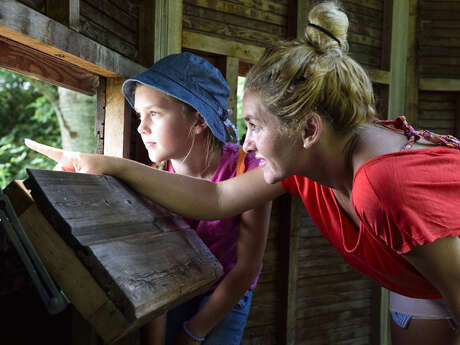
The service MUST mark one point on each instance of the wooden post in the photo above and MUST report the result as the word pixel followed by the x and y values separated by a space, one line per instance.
pixel 229 66
pixel 117 120
pixel 147 33
pixel 303 7
pixel 457 117
pixel 168 28
pixel 100 115
pixel 412 66
pixel 66 12
pixel 288 251
pixel 399 36
pixel 387 25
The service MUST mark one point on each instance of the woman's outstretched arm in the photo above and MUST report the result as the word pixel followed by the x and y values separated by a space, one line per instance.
pixel 187 196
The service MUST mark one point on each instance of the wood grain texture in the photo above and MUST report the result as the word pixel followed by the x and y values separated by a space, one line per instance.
pixel 23 59
pixel 24 25
pixel 132 259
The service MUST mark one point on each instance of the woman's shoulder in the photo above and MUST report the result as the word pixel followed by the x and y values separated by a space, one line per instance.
pixel 391 177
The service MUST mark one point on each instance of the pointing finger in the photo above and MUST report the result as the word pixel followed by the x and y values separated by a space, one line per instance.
pixel 51 152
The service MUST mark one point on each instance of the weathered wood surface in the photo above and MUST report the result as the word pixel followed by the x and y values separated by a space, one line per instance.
pixel 438 112
pixel 120 259
pixel 25 60
pixel 109 26
pixel 29 27
pixel 439 39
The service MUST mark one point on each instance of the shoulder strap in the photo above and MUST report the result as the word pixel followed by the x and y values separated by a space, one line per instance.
pixel 240 166
pixel 413 135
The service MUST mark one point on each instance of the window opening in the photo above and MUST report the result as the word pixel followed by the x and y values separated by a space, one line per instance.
pixel 52 115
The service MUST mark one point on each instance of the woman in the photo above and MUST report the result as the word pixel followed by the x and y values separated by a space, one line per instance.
pixel 384 199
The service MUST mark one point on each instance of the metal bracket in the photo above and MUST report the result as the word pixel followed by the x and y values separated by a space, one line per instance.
pixel 54 300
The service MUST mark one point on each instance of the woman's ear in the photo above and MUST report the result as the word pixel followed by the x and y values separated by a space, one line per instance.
pixel 311 130
pixel 200 124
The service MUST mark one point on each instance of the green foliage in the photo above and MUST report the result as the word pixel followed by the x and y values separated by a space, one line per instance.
pixel 24 113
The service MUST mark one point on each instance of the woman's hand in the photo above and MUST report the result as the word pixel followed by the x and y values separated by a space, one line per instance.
pixel 70 161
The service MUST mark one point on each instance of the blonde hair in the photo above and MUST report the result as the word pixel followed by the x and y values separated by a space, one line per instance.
pixel 315 74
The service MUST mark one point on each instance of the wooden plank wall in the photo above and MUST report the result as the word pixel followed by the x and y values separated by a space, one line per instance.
pixel 264 318
pixel 247 21
pixel 113 23
pixel 333 302
pixel 439 60
pixel 438 111
pixel 365 34
pixel 439 39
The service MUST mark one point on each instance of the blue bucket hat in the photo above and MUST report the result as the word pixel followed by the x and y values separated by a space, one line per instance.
pixel 192 80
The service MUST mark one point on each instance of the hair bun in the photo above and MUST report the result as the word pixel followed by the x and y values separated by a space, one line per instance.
pixel 327 27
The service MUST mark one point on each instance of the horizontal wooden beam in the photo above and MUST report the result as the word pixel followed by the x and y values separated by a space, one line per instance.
pixel 244 52
pixel 248 53
pixel 439 84
pixel 33 29
pixel 22 59
pixel 379 76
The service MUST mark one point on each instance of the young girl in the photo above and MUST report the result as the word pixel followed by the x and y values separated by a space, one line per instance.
pixel 181 103
pixel 386 199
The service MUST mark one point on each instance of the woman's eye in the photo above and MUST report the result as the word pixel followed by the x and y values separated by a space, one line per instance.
pixel 153 113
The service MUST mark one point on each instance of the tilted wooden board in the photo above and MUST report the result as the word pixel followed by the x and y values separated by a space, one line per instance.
pixel 144 258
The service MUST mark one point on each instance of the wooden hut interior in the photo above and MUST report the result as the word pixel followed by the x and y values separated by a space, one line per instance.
pixel 307 294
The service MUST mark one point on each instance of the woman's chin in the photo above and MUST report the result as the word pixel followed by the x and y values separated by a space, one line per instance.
pixel 270 177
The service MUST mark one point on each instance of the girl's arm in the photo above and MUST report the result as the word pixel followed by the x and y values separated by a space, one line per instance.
pixel 187 196
pixel 439 262
pixel 252 238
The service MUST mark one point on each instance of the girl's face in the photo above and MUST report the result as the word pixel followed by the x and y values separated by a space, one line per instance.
pixel 276 150
pixel 165 130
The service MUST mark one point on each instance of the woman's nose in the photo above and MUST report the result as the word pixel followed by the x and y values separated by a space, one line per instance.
pixel 248 145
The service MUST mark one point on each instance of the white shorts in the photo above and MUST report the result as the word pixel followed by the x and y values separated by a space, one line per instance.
pixel 419 308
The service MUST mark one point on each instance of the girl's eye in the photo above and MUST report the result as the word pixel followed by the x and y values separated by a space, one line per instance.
pixel 154 113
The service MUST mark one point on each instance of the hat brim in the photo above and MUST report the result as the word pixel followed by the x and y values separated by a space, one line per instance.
pixel 178 91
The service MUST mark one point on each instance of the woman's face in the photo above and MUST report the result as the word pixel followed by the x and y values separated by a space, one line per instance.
pixel 164 128
pixel 277 151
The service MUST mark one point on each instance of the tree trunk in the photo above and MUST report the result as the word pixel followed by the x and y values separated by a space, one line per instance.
pixel 77 120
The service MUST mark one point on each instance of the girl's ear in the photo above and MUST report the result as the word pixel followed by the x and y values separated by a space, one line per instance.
pixel 200 124
pixel 311 130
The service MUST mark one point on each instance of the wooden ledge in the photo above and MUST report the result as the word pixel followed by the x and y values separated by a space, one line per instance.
pixel 31 28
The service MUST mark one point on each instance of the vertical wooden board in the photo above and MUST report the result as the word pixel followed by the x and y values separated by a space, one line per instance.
pixel 117 120
pixel 457 117
pixel 147 33
pixel 229 66
pixel 412 67
pixel 386 33
pixel 397 93
pixel 100 115
pixel 288 252
pixel 168 28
